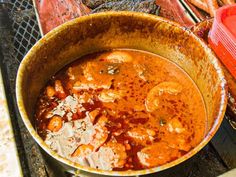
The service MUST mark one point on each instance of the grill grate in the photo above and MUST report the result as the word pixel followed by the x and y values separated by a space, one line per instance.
pixel 15 42
pixel 34 162
pixel 25 27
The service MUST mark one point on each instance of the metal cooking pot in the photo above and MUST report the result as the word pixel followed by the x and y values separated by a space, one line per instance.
pixel 131 30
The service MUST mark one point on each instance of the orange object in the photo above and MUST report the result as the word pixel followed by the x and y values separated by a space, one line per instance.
pixel 55 124
pixel 222 37
pixel 50 91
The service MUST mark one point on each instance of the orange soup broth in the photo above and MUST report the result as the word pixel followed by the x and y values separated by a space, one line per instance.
pixel 152 108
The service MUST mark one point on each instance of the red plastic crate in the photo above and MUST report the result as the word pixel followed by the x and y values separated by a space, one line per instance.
pixel 222 37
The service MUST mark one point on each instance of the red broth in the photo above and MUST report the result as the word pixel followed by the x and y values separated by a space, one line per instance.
pixel 121 110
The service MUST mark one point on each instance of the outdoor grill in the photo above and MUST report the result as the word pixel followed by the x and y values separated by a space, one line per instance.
pixel 18 34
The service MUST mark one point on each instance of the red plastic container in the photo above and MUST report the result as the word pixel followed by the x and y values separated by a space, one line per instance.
pixel 222 37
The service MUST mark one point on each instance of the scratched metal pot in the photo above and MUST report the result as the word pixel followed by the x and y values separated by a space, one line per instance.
pixel 111 30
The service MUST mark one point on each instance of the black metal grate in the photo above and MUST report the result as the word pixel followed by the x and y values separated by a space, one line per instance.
pixel 19 33
pixel 25 26
pixel 15 44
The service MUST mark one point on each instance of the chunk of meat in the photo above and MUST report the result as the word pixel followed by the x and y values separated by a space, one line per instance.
pixel 172 88
pixel 59 89
pixel 178 142
pixel 96 73
pixel 117 57
pixel 55 124
pixel 101 159
pixel 50 91
pixel 93 85
pixel 178 135
pixel 120 155
pixel 152 101
pixel 93 114
pixel 157 154
pixel 58 86
pixel 85 97
pixel 141 135
pixel 88 71
pixel 109 156
pixel 70 136
pixel 101 133
pixel 109 95
pixel 102 121
pixel 83 150
pixel 70 73
pixel 60 143
pixel 100 136
pixel 69 104
pixel 93 77
pixel 174 125
pixel 141 70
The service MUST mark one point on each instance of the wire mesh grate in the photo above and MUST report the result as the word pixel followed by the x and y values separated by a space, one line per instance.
pixel 25 27
pixel 36 163
pixel 15 42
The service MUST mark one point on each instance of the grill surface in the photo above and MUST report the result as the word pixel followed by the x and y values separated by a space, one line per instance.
pixel 18 35
pixel 15 43
pixel 25 27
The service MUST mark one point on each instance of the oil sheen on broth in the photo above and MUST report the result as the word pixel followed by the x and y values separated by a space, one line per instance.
pixel 121 110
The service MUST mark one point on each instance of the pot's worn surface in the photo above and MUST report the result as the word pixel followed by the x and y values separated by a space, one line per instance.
pixel 131 30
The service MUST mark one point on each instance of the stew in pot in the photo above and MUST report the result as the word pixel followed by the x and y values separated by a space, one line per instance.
pixel 121 110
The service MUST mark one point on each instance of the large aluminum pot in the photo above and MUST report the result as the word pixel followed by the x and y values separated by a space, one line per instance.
pixel 131 30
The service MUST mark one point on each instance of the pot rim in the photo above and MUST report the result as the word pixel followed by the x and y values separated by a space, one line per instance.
pixel 51 34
